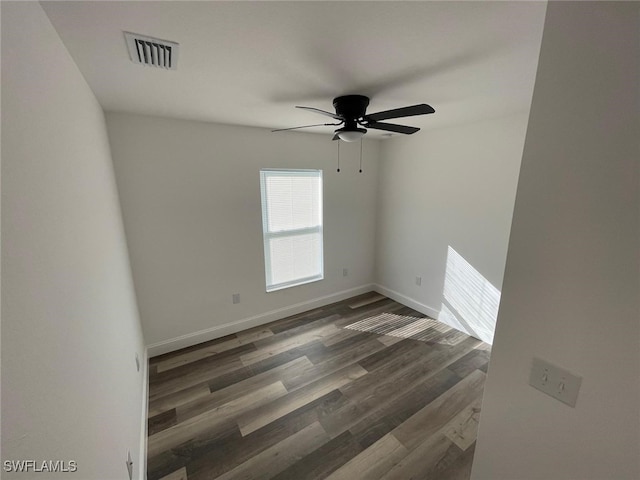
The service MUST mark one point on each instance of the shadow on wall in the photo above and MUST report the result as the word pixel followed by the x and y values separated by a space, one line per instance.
pixel 470 302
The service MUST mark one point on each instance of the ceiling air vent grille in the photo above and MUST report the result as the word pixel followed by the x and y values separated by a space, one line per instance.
pixel 152 51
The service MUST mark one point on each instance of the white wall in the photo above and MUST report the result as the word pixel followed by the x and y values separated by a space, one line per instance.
pixel 451 187
pixel 572 276
pixel 70 329
pixel 190 194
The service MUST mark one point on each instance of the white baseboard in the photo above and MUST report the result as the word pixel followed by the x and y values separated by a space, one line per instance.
pixel 408 301
pixel 229 328
pixel 142 471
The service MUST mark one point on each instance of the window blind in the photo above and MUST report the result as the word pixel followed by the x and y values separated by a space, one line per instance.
pixel 292 227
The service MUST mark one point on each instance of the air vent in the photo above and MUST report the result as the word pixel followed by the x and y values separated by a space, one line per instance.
pixel 152 51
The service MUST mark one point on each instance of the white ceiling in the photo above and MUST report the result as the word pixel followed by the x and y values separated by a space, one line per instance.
pixel 250 63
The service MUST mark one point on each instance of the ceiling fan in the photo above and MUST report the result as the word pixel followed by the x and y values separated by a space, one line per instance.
pixel 351 112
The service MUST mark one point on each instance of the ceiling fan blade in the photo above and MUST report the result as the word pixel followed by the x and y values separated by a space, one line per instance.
pixel 305 126
pixel 421 109
pixel 322 112
pixel 392 127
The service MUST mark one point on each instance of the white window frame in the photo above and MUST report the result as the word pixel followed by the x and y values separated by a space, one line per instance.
pixel 268 235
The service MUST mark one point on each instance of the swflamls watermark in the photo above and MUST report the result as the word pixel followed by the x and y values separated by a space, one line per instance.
pixel 35 466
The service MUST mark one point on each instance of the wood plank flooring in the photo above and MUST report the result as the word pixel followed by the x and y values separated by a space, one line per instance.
pixel 361 389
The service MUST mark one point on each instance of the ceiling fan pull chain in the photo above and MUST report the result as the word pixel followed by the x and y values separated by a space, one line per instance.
pixel 338 142
pixel 360 155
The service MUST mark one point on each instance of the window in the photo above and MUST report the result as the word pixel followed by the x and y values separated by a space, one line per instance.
pixel 292 227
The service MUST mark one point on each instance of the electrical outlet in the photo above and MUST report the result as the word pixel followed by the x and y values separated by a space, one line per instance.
pixel 129 465
pixel 418 281
pixel 235 298
pixel 137 362
pixel 555 381
pixel 345 272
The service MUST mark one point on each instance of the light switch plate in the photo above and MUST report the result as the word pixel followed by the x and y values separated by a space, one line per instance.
pixel 555 381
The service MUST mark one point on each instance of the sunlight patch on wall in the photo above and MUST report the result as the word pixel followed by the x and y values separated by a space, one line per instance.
pixel 470 302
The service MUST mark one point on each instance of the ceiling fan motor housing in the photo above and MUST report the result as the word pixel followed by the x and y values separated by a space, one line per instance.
pixel 352 108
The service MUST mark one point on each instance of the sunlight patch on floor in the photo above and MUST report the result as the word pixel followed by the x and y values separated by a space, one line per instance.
pixel 401 326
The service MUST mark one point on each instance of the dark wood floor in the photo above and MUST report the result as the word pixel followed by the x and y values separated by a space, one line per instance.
pixel 338 392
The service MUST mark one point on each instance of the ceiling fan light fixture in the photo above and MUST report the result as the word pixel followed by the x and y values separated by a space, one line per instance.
pixel 350 135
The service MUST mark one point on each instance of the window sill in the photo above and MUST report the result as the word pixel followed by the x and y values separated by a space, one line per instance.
pixel 297 283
